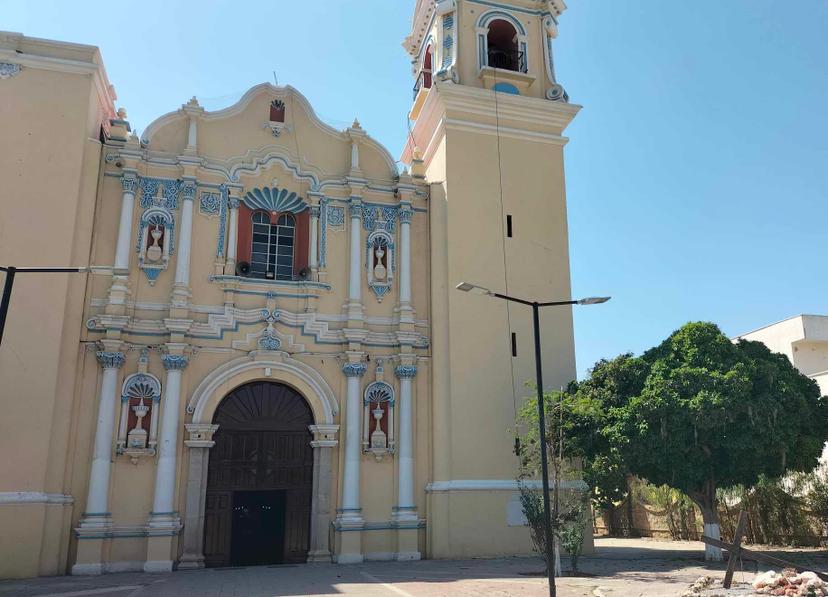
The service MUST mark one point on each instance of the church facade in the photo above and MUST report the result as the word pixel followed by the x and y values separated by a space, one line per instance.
pixel 268 361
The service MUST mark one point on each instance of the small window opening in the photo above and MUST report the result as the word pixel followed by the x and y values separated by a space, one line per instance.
pixel 277 111
pixel 503 47
pixel 509 226
pixel 424 78
pixel 272 253
pixel 514 344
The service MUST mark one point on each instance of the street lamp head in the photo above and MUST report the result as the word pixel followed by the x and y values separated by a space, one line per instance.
pixel 593 300
pixel 469 287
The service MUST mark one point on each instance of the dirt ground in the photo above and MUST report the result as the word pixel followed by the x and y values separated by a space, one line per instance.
pixel 619 568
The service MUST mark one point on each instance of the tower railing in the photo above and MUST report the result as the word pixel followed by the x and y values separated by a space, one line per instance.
pixel 508 60
pixel 423 81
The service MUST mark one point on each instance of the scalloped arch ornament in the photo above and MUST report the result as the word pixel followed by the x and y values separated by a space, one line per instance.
pixel 275 199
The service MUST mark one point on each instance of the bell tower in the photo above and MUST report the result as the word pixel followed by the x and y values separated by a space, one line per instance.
pixel 487 133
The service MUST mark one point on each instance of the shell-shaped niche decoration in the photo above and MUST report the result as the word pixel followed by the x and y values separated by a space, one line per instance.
pixel 274 199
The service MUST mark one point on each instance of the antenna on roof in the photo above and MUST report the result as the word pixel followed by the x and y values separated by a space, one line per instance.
pixel 275 80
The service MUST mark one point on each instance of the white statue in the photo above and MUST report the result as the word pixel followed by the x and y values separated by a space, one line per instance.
pixel 380 272
pixel 154 252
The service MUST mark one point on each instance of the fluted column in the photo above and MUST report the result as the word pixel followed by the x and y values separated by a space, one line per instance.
pixel 406 508
pixel 232 236
pixel 405 262
pixel 350 510
pixel 163 504
pixel 129 183
pixel 163 518
pixel 97 501
pixel 314 237
pixel 355 271
pixel 181 290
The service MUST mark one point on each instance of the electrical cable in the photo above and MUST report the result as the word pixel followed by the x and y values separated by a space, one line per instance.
pixel 505 271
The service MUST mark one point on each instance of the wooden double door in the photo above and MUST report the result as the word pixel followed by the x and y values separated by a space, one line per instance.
pixel 260 478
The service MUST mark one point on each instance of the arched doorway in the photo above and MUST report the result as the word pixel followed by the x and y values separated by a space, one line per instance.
pixel 260 478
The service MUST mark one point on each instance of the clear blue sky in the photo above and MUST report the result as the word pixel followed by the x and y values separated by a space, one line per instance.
pixel 697 171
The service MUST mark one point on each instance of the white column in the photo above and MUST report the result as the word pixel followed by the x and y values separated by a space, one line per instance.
pixel 232 236
pixel 406 508
pixel 314 237
pixel 350 509
pixel 163 504
pixel 182 266
pixel 97 500
pixel 405 256
pixel 129 182
pixel 355 285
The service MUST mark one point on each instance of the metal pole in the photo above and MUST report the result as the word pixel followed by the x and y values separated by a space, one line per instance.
pixel 550 538
pixel 4 303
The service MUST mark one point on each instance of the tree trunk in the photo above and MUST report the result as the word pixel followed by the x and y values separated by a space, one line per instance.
pixel 710 516
pixel 706 501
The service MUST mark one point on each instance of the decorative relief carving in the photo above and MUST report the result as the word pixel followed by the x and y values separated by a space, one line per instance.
pixel 159 192
pixel 9 69
pixel 140 396
pixel 175 362
pixel 110 360
pixel 275 199
pixel 156 242
pixel 406 371
pixel 380 263
pixel 336 217
pixel 354 369
pixel 210 203
pixel 378 418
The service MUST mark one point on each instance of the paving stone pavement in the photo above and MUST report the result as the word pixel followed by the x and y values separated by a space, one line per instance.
pixel 619 568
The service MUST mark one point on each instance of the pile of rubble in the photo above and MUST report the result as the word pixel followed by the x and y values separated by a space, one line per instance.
pixel 790 584
pixel 786 584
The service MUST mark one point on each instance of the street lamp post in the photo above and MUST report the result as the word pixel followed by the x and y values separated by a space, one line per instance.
pixel 536 306
pixel 12 271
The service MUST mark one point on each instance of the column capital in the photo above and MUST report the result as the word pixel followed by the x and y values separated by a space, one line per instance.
pixel 110 359
pixel 324 436
pixel 233 202
pixel 405 215
pixel 129 182
pixel 354 369
pixel 406 371
pixel 175 362
pixel 355 209
pixel 314 211
pixel 188 189
pixel 200 435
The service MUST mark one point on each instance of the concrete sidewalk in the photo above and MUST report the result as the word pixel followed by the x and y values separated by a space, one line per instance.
pixel 621 568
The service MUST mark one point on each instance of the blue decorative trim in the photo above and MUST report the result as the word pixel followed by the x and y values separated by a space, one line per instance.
pixel 323 232
pixel 406 371
pixel 377 392
pixel 223 203
pixel 269 341
pixel 174 362
pixel 141 385
pixel 354 369
pixel 506 88
pixel 371 218
pixel 336 216
pixel 9 69
pixel 209 203
pixel 274 199
pixel 448 39
pixel 405 216
pixel 110 360
pixel 149 192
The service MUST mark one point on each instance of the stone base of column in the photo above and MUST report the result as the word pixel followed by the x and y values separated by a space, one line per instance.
pixel 408 544
pixel 349 525
pixel 404 516
pixel 163 527
pixel 181 296
pixel 89 559
pixel 406 313
pixel 196 562
pixel 322 556
pixel 354 312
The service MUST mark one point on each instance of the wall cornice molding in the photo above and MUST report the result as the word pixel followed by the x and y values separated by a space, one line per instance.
pixel 35 497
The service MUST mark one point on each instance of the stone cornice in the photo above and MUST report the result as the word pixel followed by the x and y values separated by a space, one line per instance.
pixel 44 54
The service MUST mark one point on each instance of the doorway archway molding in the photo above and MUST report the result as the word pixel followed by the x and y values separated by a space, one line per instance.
pixel 277 368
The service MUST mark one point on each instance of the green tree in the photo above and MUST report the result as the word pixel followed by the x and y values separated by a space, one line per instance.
pixel 700 412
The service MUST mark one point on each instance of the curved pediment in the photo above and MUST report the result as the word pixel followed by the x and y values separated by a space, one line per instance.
pixel 230 135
